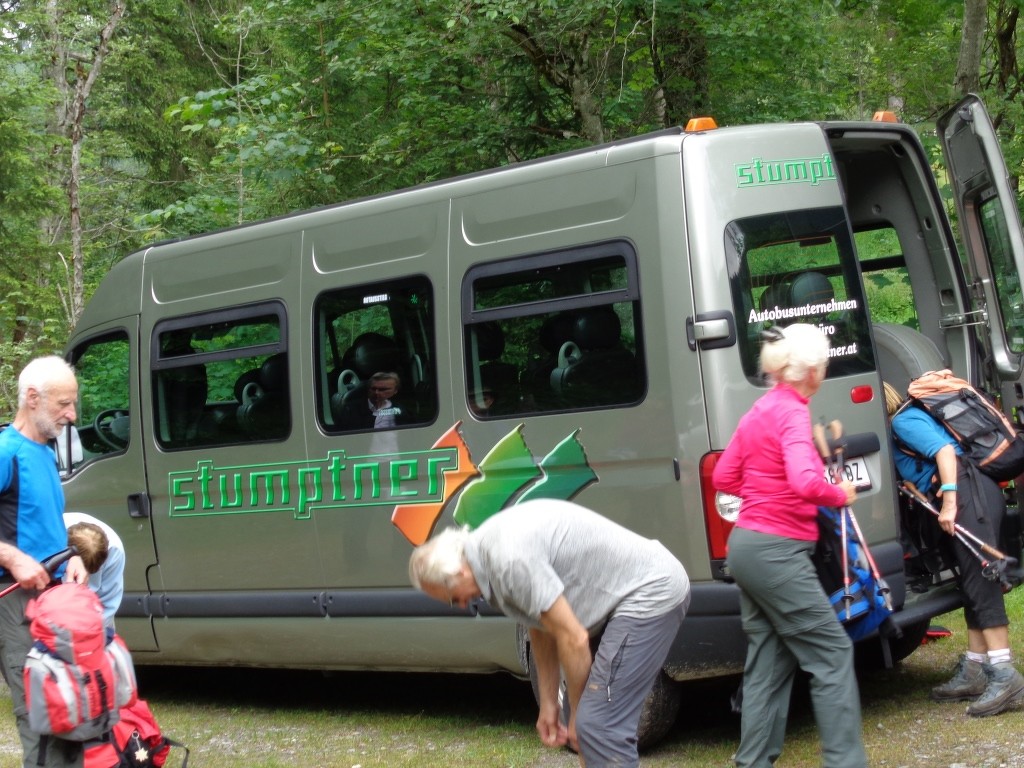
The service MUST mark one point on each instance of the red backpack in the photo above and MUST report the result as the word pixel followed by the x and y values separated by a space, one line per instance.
pixel 136 742
pixel 77 677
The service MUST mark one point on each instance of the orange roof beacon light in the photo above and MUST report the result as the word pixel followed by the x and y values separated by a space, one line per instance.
pixel 885 116
pixel 696 124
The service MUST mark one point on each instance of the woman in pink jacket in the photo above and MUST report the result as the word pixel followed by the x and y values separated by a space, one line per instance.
pixel 772 465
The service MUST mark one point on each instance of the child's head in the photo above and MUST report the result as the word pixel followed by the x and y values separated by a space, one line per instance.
pixel 91 543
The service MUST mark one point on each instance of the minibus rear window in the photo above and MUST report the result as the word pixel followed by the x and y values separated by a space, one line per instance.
pixel 798 267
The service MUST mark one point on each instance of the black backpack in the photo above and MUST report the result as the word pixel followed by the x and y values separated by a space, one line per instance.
pixel 986 436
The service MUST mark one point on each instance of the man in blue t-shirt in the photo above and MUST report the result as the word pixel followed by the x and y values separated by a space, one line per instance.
pixel 985 676
pixel 32 529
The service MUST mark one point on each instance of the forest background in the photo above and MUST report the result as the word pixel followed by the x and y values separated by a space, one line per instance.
pixel 125 122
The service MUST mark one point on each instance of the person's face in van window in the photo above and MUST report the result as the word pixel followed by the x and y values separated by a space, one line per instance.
pixel 382 390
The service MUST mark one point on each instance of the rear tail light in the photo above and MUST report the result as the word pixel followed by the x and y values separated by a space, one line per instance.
pixel 720 509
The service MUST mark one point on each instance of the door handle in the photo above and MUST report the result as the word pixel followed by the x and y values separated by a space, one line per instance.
pixel 138 505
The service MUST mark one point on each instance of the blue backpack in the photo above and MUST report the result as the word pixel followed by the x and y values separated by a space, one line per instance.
pixel 865 610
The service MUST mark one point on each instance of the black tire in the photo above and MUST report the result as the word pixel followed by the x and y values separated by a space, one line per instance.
pixel 661 707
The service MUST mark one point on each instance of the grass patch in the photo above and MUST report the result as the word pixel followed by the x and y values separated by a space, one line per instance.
pixel 272 718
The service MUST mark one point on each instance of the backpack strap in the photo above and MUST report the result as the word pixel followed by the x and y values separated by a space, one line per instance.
pixel 174 743
pixel 906 449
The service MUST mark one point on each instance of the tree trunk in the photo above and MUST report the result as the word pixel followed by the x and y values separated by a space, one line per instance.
pixel 1007 82
pixel 1007 78
pixel 968 66
pixel 571 70
pixel 87 70
pixel 73 74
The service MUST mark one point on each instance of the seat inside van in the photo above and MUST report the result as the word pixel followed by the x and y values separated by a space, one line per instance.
pixel 498 376
pixel 370 353
pixel 810 288
pixel 263 397
pixel 594 367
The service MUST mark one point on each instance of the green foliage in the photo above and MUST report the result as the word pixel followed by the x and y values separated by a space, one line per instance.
pixel 209 115
pixel 258 145
pixel 27 262
pixel 890 298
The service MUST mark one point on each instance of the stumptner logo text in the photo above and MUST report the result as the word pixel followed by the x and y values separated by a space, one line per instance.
pixel 797 170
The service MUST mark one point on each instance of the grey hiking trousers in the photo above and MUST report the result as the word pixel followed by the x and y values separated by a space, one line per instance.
pixel 789 623
pixel 629 657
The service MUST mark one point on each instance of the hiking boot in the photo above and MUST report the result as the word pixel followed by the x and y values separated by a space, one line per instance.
pixel 1005 686
pixel 969 682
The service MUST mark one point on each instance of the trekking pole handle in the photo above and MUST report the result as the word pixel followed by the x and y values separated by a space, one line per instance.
pixel 910 490
pixel 53 562
pixel 50 564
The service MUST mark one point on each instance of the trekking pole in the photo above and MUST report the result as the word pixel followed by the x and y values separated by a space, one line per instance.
pixel 835 446
pixel 992 570
pixel 837 442
pixel 50 564
pixel 912 491
pixel 818 432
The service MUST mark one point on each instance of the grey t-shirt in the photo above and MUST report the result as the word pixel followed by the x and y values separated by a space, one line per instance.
pixel 524 557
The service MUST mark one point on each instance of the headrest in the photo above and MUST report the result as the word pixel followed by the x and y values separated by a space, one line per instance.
pixel 274 372
pixel 249 377
pixel 810 288
pixel 774 295
pixel 597 328
pixel 555 331
pixel 372 352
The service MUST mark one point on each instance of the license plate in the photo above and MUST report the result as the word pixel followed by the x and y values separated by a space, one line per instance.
pixel 854 470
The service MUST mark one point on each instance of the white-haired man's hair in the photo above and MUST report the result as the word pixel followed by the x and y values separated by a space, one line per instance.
pixel 41 373
pixel 440 558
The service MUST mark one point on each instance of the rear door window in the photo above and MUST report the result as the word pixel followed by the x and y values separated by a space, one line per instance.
pixel 798 267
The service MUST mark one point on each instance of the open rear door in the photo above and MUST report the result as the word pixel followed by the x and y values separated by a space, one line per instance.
pixel 989 221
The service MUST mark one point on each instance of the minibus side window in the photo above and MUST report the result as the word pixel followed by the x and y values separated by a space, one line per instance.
pixel 375 356
pixel 799 267
pixel 103 368
pixel 221 378
pixel 553 332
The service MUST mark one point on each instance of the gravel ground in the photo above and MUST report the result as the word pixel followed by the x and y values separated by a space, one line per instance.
pixel 267 719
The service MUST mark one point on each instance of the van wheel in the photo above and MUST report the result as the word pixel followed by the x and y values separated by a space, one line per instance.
pixel 657 717
pixel 660 710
